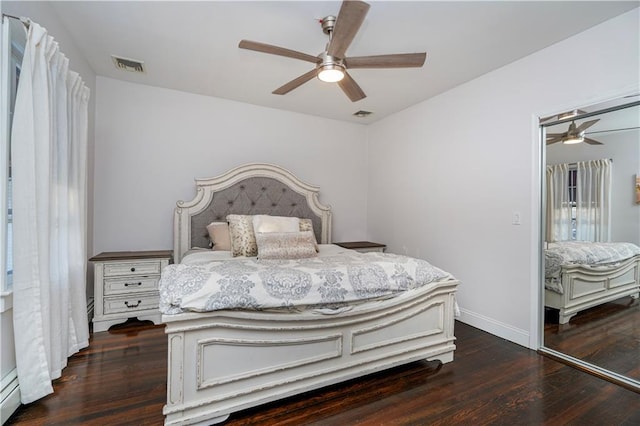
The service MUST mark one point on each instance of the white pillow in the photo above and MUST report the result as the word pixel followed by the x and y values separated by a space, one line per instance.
pixel 267 223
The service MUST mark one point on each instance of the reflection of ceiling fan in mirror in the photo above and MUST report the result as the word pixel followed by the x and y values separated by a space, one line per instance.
pixel 575 134
pixel 332 64
pixel 564 116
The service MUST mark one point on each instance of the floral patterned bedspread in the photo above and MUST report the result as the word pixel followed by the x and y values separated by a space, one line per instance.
pixel 582 253
pixel 322 282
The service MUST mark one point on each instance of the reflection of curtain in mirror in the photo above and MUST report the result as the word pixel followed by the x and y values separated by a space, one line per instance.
pixel 558 227
pixel 593 200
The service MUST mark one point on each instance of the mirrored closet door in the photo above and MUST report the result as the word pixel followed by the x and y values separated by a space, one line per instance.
pixel 591 239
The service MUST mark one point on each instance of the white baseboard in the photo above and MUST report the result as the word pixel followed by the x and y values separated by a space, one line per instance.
pixel 9 395
pixel 497 328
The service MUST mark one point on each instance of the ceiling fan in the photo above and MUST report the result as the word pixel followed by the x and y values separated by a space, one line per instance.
pixel 332 64
pixel 575 134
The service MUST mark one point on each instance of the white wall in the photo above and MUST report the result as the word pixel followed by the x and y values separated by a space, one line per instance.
pixel 624 149
pixel 151 143
pixel 447 175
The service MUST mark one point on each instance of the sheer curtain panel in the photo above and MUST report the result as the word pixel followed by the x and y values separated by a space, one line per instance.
pixel 49 150
pixel 593 200
pixel 558 227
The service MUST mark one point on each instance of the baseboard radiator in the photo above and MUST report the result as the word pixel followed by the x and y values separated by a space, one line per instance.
pixel 90 309
pixel 9 395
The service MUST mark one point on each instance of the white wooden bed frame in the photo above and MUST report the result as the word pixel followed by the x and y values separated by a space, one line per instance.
pixel 225 361
pixel 585 287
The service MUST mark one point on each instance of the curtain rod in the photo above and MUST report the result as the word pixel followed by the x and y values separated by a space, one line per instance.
pixel 25 21
pixel 575 164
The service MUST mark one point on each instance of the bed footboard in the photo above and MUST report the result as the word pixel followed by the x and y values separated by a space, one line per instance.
pixel 586 287
pixel 226 361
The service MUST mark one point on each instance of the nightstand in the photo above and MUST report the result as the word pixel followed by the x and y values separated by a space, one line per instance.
pixel 126 286
pixel 362 246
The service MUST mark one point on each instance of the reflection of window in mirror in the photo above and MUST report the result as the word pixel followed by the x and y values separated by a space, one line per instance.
pixel 613 135
pixel 579 200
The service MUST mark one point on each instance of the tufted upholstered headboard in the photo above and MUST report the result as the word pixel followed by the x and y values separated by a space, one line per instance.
pixel 255 188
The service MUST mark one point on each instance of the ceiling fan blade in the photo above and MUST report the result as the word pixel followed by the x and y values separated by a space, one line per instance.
pixel 622 129
pixel 554 140
pixel 399 60
pixel 295 83
pixel 351 88
pixel 275 50
pixel 586 125
pixel 554 135
pixel 348 22
pixel 592 142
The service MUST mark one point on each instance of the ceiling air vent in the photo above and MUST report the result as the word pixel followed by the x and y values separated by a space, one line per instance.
pixel 126 64
pixel 362 114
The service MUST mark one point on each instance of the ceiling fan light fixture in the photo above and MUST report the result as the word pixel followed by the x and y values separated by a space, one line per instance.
pixel 569 114
pixel 330 73
pixel 573 139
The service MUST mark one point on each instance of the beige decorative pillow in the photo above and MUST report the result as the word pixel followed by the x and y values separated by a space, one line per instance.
pixel 219 235
pixel 267 223
pixel 307 225
pixel 285 245
pixel 243 239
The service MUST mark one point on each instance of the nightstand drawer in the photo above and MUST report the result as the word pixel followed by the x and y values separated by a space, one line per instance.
pixel 133 303
pixel 131 268
pixel 130 284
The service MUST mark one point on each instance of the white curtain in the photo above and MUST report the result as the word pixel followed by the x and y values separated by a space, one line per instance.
pixel 593 200
pixel 49 155
pixel 558 226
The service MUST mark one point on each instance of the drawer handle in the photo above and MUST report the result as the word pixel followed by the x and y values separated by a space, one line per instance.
pixel 128 284
pixel 126 302
pixel 133 269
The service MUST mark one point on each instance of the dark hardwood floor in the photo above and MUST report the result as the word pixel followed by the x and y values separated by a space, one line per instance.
pixel 607 335
pixel 120 380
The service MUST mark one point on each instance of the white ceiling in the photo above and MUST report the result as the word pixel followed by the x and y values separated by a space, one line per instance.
pixel 193 46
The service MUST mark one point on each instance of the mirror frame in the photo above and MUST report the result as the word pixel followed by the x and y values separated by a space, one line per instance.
pixel 584 366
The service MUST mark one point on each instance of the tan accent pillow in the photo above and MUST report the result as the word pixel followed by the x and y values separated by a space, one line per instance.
pixel 307 225
pixel 285 245
pixel 243 239
pixel 219 235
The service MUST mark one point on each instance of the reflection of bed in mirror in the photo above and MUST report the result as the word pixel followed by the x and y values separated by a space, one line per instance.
pixel 581 275
pixel 227 360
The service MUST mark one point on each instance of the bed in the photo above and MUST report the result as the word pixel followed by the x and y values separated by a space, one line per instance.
pixel 226 360
pixel 580 275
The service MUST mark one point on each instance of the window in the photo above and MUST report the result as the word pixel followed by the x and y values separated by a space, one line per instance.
pixel 9 247
pixel 12 52
pixel 579 201
pixel 573 194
